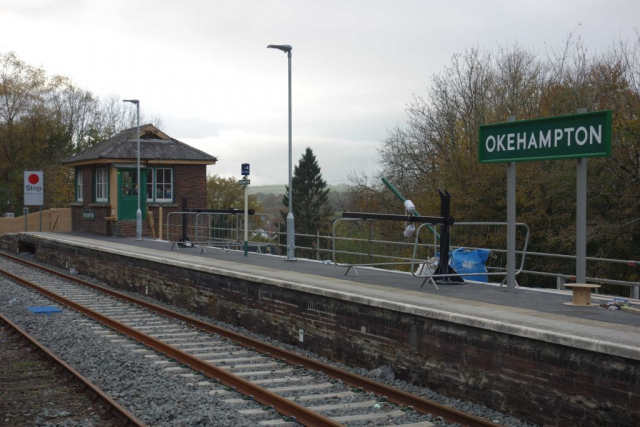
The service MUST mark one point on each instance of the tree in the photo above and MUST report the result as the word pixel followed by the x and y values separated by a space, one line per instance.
pixel 311 208
pixel 226 193
pixel 437 147
pixel 44 120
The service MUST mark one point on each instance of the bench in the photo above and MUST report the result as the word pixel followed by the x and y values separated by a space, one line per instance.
pixel 581 294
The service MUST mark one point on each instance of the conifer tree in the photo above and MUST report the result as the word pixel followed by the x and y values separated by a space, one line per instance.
pixel 311 209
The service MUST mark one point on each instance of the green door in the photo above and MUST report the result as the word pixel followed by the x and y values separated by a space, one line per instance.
pixel 128 194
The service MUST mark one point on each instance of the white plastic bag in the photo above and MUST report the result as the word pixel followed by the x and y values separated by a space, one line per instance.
pixel 428 268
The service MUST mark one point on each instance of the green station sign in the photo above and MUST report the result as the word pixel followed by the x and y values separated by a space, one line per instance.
pixel 553 138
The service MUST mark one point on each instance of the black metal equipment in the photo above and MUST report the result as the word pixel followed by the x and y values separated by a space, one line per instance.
pixel 445 220
pixel 184 239
pixel 232 211
pixel 445 242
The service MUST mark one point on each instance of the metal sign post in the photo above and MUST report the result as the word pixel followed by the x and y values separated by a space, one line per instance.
pixel 246 219
pixel 245 183
pixel 25 213
pixel 511 223
pixel 581 217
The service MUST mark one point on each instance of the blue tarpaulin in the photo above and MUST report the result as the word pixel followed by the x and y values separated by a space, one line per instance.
pixel 471 261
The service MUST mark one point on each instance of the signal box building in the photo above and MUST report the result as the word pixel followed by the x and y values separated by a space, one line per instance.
pixel 106 195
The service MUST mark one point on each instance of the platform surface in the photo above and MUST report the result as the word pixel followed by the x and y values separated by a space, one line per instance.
pixel 533 313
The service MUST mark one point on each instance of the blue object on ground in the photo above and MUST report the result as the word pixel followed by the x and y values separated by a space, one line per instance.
pixel 471 261
pixel 48 310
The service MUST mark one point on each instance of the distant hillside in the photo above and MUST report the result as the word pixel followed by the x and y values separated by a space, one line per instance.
pixel 280 189
pixel 266 189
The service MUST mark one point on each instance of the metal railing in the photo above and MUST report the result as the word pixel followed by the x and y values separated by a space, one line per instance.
pixel 323 247
pixel 317 252
pixel 176 224
pixel 212 235
pixel 415 260
pixel 218 230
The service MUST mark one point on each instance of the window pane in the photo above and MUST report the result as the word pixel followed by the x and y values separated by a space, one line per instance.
pixel 102 176
pixel 79 186
pixel 164 190
pixel 149 185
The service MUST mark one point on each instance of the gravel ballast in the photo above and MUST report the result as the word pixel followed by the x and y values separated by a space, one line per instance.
pixel 161 398
pixel 156 397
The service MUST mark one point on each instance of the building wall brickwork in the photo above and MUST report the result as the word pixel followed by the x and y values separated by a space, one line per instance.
pixel 102 210
pixel 543 383
pixel 189 181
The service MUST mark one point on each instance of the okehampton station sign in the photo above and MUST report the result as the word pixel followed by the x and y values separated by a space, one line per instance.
pixel 554 138
pixel 578 136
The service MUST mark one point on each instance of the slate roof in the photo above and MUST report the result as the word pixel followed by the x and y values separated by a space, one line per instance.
pixel 124 145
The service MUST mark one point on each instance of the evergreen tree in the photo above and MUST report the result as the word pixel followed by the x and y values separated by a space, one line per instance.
pixel 311 209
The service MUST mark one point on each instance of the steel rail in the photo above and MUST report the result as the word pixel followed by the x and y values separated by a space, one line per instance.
pixel 127 418
pixel 393 395
pixel 259 394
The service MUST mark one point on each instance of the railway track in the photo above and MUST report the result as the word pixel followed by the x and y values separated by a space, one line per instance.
pixel 289 388
pixel 36 387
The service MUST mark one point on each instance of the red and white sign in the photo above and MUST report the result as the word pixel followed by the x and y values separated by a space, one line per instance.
pixel 33 188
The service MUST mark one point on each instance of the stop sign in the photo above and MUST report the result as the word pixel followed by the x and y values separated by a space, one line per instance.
pixel 33 188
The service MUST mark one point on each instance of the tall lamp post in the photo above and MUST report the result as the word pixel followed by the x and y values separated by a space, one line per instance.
pixel 291 245
pixel 138 212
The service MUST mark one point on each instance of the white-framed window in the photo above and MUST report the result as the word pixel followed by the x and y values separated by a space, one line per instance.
pixel 102 185
pixel 79 186
pixel 164 184
pixel 160 185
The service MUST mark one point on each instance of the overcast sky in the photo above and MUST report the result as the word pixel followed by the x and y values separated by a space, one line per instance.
pixel 204 68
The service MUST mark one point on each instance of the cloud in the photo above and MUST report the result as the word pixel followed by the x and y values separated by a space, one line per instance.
pixel 268 155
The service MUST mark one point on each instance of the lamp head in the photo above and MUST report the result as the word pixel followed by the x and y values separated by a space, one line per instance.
pixel 409 206
pixel 133 101
pixel 408 232
pixel 283 47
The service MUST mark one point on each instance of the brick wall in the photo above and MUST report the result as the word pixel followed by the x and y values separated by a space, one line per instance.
pixel 537 381
pixel 191 181
pixel 127 228
pixel 98 225
pixel 102 210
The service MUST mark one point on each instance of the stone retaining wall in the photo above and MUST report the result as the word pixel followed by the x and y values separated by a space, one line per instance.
pixel 537 381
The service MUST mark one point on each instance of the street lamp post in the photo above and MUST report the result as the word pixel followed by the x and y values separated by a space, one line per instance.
pixel 291 246
pixel 138 212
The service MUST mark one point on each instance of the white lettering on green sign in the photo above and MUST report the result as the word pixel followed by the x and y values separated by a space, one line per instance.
pixel 524 141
